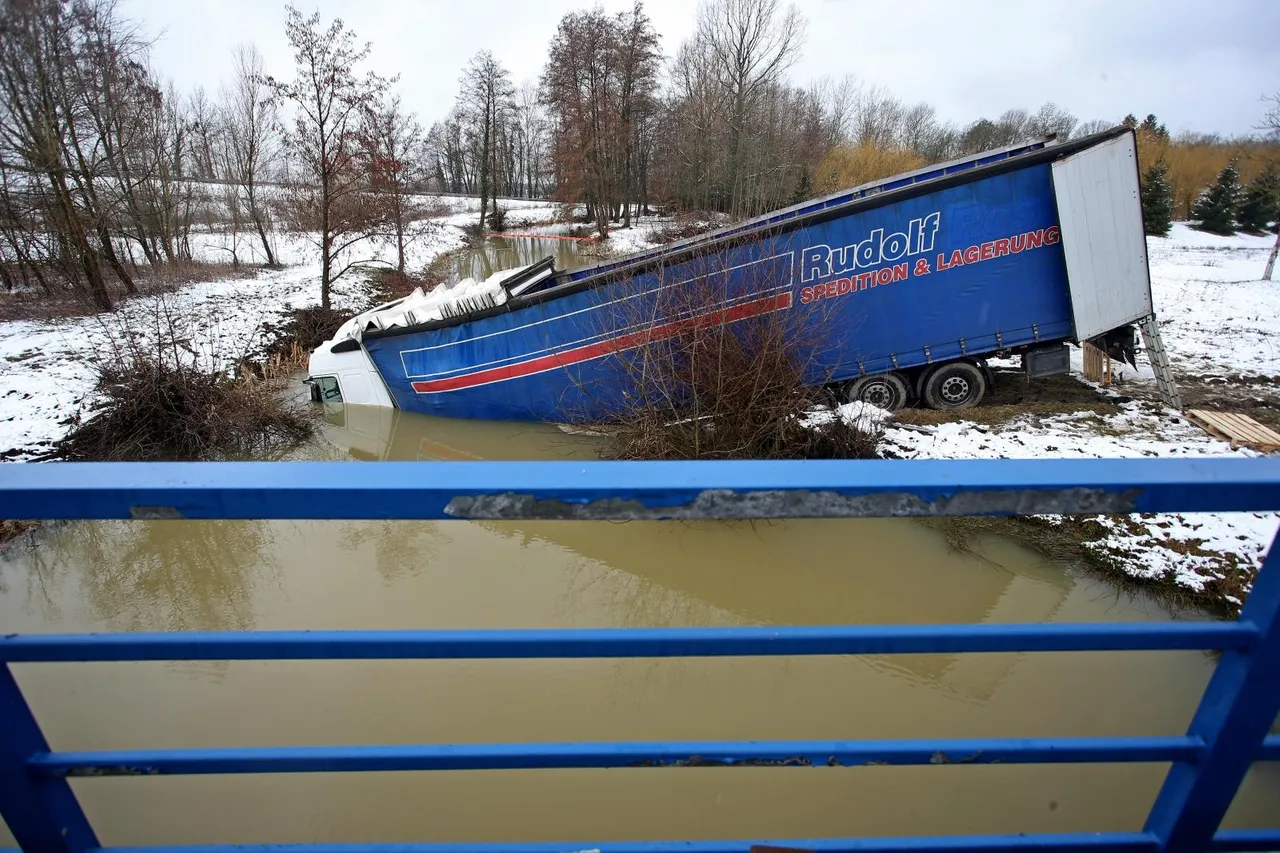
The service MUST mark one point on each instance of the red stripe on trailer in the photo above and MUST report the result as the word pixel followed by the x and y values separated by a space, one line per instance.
pixel 622 343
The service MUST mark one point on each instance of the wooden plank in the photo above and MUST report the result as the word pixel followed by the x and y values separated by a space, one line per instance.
pixel 1236 428
pixel 1248 428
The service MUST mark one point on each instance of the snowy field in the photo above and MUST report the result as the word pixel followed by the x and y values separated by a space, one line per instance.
pixel 1218 319
pixel 46 373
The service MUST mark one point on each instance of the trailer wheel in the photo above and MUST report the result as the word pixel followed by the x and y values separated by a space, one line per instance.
pixel 957 385
pixel 886 391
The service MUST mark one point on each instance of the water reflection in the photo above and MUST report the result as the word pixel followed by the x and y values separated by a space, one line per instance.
pixel 151 575
pixel 500 253
pixel 798 572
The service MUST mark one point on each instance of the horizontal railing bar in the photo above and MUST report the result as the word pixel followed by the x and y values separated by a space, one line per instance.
pixel 624 642
pixel 1247 840
pixel 631 490
pixel 543 756
pixel 1101 842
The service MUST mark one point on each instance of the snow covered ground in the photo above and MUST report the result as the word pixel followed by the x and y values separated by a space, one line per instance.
pixel 46 372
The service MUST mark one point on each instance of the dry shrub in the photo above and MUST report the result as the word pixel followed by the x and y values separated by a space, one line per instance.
pixel 720 385
pixel 304 330
pixel 497 221
pixel 850 165
pixel 691 224
pixel 161 399
pixel 62 301
pixel 173 275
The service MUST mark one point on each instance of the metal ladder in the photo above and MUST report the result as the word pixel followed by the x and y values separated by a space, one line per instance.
pixel 1159 359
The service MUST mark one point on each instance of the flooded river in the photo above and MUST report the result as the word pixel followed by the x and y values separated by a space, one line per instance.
pixel 190 575
pixel 499 253
pixel 163 575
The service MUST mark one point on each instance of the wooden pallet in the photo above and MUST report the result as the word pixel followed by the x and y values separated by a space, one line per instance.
pixel 1097 364
pixel 1236 428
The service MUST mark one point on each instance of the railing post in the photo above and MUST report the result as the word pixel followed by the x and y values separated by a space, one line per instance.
pixel 1235 714
pixel 43 814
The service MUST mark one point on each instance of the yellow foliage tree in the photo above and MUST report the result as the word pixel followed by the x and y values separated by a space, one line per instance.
pixel 849 165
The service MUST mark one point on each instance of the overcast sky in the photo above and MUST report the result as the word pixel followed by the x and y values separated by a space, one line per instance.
pixel 1197 65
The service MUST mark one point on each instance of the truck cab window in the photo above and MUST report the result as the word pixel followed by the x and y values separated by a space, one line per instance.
pixel 328 389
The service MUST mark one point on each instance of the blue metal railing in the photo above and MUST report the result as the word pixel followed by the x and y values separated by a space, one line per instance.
pixel 1227 734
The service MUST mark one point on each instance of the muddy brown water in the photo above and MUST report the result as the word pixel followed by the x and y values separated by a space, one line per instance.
pixel 499 253
pixel 169 576
pixel 179 575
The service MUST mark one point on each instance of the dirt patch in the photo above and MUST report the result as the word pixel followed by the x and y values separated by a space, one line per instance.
pixel 37 305
pixel 1014 396
pixel 1255 396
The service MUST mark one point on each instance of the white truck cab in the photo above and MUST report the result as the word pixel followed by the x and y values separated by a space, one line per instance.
pixel 346 376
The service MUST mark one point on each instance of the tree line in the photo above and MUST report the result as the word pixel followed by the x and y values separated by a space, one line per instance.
pixel 615 126
pixel 106 169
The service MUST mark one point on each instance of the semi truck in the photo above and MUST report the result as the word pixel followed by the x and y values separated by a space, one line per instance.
pixel 904 287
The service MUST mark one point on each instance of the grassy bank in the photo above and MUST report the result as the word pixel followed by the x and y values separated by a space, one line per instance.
pixel 1081 542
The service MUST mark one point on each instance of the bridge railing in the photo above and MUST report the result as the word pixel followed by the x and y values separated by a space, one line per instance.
pixel 1229 731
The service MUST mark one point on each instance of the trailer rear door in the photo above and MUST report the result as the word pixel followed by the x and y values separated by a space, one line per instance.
pixel 1102 236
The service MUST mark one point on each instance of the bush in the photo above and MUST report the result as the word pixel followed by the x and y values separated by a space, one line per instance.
pixel 726 390
pixel 162 400
pixel 849 165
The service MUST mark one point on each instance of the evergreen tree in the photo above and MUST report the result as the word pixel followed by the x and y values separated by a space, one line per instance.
pixel 1217 206
pixel 1261 205
pixel 1152 125
pixel 1157 200
pixel 1130 121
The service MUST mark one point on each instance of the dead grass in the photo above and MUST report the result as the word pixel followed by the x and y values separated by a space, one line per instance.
pixel 167 278
pixel 685 225
pixel 158 399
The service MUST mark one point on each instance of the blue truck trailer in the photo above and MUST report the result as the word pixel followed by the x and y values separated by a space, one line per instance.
pixel 902 290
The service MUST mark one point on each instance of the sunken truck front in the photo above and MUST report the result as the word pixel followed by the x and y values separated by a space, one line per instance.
pixel 907 285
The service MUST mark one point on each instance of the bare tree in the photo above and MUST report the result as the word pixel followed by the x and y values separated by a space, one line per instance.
pixel 394 142
pixel 751 44
pixel 249 120
pixel 1271 118
pixel 40 42
pixel 1096 125
pixel 879 118
pixel 531 141
pixel 487 101
pixel 1271 124
pixel 1052 120
pixel 600 86
pixel 330 101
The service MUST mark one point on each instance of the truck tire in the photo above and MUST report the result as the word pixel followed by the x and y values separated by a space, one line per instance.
pixel 957 385
pixel 886 391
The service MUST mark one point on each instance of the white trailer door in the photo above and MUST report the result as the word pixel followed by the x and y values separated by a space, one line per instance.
pixel 1106 251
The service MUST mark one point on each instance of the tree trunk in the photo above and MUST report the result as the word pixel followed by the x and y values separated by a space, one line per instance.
pixel 1271 259
pixel 326 241
pixel 109 252
pixel 266 244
